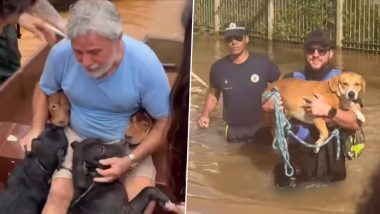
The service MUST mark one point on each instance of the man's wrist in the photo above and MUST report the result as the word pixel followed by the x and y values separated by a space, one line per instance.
pixel 39 127
pixel 132 158
pixel 205 115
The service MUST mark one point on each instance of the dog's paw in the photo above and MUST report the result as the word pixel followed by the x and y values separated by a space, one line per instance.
pixel 360 116
pixel 318 143
pixel 170 205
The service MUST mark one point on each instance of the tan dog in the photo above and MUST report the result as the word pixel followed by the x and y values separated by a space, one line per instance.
pixel 59 109
pixel 139 127
pixel 337 92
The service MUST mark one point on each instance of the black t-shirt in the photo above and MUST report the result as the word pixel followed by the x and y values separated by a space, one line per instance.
pixel 242 86
pixel 9 53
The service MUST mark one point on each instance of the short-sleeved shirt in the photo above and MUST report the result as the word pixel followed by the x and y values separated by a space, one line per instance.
pixel 9 53
pixel 101 107
pixel 242 86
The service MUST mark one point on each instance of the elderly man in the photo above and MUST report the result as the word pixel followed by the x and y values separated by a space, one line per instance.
pixel 107 76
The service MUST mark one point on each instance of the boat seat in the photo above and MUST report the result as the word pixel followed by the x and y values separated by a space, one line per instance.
pixel 10 150
pixel 167 49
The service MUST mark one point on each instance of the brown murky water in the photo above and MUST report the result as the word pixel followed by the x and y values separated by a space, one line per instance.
pixel 237 178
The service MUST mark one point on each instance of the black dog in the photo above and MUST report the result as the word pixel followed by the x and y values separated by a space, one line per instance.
pixel 105 198
pixel 28 185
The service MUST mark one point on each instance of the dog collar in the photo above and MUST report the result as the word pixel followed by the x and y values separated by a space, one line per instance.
pixel 42 167
pixel 82 195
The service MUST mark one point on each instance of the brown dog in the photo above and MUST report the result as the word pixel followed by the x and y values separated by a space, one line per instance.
pixel 59 109
pixel 139 127
pixel 337 92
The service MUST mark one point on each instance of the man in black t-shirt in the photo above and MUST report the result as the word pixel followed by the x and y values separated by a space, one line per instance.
pixel 241 77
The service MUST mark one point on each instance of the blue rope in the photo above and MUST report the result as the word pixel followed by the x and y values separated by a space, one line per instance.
pixel 283 129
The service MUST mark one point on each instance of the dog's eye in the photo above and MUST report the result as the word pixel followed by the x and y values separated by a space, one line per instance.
pixel 145 124
pixel 100 149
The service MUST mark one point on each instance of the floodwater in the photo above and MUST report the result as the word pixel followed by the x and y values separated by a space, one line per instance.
pixel 237 178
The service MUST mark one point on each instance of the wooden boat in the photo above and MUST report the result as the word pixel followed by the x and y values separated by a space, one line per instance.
pixel 16 108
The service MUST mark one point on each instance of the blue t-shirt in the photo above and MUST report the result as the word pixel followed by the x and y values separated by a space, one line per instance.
pixel 101 107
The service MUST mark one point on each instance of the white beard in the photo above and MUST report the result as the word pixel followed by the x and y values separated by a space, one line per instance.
pixel 98 71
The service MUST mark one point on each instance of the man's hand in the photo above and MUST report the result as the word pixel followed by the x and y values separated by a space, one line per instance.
pixel 26 141
pixel 317 106
pixel 268 106
pixel 203 122
pixel 37 27
pixel 118 166
pixel 177 208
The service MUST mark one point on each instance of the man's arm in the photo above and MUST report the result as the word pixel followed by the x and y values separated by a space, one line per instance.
pixel 35 19
pixel 46 11
pixel 210 104
pixel 121 165
pixel 345 119
pixel 40 116
pixel 153 141
pixel 274 72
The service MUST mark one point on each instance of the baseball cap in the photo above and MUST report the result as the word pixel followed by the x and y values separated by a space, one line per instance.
pixel 318 37
pixel 234 29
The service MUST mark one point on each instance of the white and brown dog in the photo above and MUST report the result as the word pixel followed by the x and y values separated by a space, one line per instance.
pixel 338 92
pixel 59 109
pixel 139 127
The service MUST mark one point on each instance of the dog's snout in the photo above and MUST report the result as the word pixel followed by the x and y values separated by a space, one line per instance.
pixel 351 95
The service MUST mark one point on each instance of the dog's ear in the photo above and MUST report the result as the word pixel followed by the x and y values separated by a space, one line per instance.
pixel 364 84
pixel 74 144
pixel 35 143
pixel 334 85
pixel 146 125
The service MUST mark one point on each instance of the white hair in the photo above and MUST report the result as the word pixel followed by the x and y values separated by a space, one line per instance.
pixel 98 16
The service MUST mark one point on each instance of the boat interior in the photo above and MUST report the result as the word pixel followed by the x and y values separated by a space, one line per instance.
pixel 16 107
